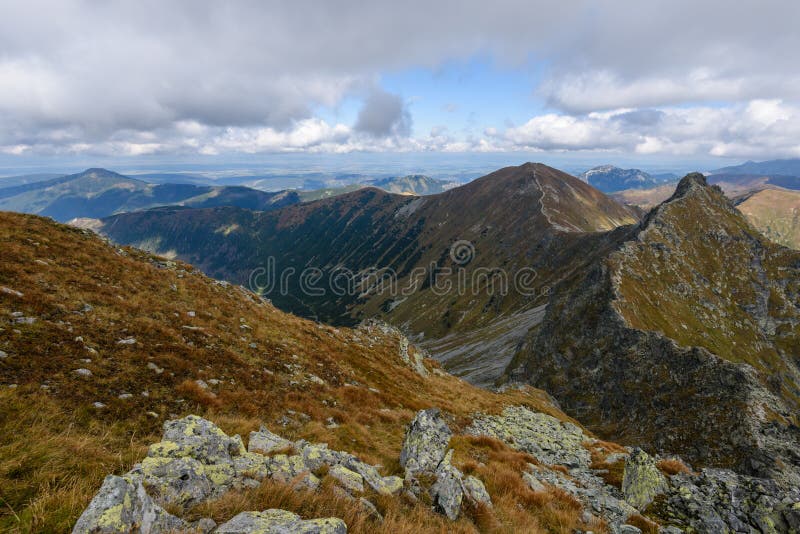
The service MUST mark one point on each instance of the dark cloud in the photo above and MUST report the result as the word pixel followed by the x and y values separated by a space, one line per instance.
pixel 384 114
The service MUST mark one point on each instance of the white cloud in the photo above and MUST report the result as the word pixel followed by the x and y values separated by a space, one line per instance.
pixel 759 128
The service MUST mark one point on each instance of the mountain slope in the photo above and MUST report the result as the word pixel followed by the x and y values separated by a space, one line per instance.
pixel 530 220
pixel 97 193
pixel 692 323
pixel 100 346
pixel 775 212
pixel 783 167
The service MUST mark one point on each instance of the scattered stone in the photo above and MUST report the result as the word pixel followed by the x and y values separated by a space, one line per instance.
pixel 642 480
pixel 127 341
pixel 425 444
pixel 24 320
pixel 124 396
pixel 12 292
pixel 3 354
pixel 191 314
pixel 158 370
pixel 370 509
pixel 99 405
pixel 629 529
pixel 329 422
pixel 279 522
pixel 83 372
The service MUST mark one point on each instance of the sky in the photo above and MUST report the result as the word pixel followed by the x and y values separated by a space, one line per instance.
pixel 652 84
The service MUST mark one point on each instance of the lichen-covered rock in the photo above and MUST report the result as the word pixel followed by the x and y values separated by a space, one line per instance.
pixel 719 500
pixel 285 468
pixel 642 480
pixel 546 438
pixel 178 481
pixel 197 438
pixel 280 522
pixel 315 455
pixel 122 505
pixel 349 480
pixel 425 443
pixel 251 466
pixel 448 490
pixel 265 442
pixel 476 491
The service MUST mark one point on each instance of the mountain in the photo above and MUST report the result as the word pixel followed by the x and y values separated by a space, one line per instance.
pixel 519 225
pixel 779 167
pixel 775 212
pixel 415 184
pixel 97 193
pixel 691 323
pixel 104 346
pixel 127 382
pixel 608 178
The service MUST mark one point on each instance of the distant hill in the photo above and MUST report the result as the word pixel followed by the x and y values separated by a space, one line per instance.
pixel 97 193
pixel 415 184
pixel 10 181
pixel 608 178
pixel 781 167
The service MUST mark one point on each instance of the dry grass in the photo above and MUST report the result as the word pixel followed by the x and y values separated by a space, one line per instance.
pixel 611 472
pixel 673 466
pixel 56 448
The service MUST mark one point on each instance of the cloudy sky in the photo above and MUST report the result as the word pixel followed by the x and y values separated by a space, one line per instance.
pixel 658 79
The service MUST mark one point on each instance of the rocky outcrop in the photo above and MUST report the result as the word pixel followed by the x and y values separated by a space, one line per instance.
pixel 719 500
pixel 425 443
pixel 279 522
pixel 425 452
pixel 196 462
pixel 642 480
pixel 551 441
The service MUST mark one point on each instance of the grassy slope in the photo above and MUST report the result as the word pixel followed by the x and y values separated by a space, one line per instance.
pixel 55 447
pixel 776 212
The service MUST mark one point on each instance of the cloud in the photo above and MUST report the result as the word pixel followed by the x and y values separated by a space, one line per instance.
pixel 95 77
pixel 759 128
pixel 384 114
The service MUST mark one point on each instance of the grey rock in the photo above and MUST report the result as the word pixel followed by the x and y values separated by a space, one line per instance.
pixel 448 490
pixel 280 522
pixel 629 529
pixel 425 443
pixel 83 372
pixel 642 480
pixel 349 480
pixel 265 442
pixel 123 505
pixel 476 491
pixel 370 509
pixel 546 438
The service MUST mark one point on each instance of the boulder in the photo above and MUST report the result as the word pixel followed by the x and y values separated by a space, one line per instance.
pixel 425 443
pixel 476 491
pixel 280 522
pixel 642 480
pixel 123 505
pixel 448 490
pixel 265 442
pixel 197 438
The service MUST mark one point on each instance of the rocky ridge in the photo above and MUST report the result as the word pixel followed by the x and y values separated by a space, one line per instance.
pixel 701 338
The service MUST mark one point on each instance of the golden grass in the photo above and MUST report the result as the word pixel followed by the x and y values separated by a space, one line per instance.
pixel 673 466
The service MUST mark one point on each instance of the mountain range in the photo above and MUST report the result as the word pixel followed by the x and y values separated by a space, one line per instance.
pixel 590 326
pixel 608 178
